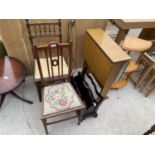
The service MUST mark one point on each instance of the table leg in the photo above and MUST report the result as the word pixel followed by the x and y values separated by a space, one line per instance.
pixel 80 117
pixel 147 33
pixel 39 88
pixel 121 35
pixel 2 99
pixel 17 96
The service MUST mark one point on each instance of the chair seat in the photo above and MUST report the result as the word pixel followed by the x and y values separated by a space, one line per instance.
pixel 45 68
pixel 60 98
pixel 136 44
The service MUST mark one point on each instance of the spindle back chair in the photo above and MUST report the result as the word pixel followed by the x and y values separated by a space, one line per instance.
pixel 42 33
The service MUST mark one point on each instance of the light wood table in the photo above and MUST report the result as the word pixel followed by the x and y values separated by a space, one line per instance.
pixel 106 60
pixel 124 25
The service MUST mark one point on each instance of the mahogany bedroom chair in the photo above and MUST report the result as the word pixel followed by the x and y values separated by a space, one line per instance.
pixel 58 95
pixel 41 33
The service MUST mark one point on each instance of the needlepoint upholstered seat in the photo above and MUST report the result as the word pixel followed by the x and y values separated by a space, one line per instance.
pixel 60 98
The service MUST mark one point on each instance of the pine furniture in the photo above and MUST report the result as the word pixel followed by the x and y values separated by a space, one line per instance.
pixel 136 45
pixel 147 79
pixel 149 64
pixel 124 25
pixel 104 58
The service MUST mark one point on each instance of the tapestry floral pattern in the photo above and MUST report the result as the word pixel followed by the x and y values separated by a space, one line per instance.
pixel 60 97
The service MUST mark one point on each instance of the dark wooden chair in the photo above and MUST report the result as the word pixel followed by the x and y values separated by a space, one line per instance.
pixel 41 34
pixel 58 95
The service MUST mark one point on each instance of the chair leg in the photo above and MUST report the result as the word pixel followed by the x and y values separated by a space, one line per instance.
pixel 150 130
pixel 81 112
pixel 39 90
pixel 140 57
pixel 150 92
pixel 2 99
pixel 148 83
pixel 128 75
pixel 143 76
pixel 121 35
pixel 45 126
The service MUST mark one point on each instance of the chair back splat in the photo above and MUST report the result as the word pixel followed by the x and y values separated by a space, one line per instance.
pixel 43 30
pixel 57 64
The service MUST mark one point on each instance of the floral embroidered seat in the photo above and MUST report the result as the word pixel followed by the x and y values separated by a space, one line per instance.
pixel 60 98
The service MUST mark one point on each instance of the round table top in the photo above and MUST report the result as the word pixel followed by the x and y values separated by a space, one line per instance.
pixel 12 74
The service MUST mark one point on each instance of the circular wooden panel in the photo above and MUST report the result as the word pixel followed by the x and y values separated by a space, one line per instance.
pixel 12 74
pixel 55 62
